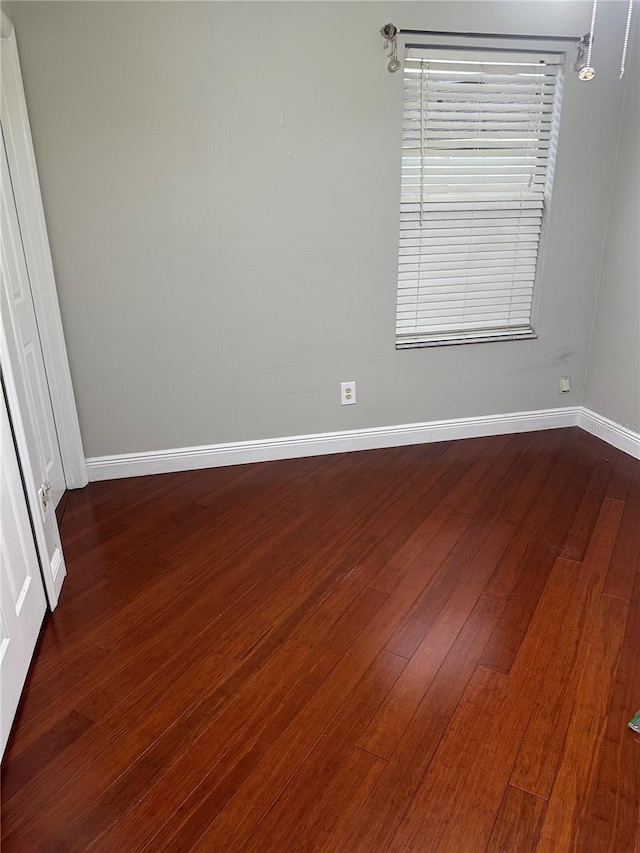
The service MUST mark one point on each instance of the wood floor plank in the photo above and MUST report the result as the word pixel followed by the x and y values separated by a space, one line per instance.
pixel 505 642
pixel 155 648
pixel 584 448
pixel 130 563
pixel 540 752
pixel 228 641
pixel 326 817
pixel 17 773
pixel 597 488
pixel 445 779
pixel 409 636
pixel 121 622
pixel 612 808
pixel 527 680
pixel 443 566
pixel 404 536
pixel 266 614
pixel 549 451
pixel 390 722
pixel 288 751
pixel 165 602
pixel 132 540
pixel 470 822
pixel 506 472
pixel 87 806
pixel 625 560
pixel 133 727
pixel 195 778
pixel 373 828
pixel 153 644
pixel 382 810
pixel 518 823
pixel 576 774
pixel 466 467
pixel 409 527
pixel 621 477
pixel 580 533
pixel 541 748
pixel 314 786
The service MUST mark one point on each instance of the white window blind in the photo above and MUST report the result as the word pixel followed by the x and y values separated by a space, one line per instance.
pixel 478 146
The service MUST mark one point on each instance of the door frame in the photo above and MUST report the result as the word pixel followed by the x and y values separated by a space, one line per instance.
pixel 22 165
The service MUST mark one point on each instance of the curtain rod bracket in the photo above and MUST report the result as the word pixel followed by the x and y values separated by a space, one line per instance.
pixel 390 35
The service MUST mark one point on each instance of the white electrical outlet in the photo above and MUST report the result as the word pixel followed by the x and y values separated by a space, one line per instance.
pixel 565 384
pixel 347 393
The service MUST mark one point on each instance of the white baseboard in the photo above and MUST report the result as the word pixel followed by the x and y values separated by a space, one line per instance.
pixel 240 452
pixel 613 433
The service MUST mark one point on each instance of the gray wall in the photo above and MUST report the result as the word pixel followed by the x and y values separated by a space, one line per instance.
pixel 221 185
pixel 613 377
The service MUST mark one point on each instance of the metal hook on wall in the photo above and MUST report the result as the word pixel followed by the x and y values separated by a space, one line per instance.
pixel 390 35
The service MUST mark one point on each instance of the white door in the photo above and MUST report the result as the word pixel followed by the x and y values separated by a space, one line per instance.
pixel 28 392
pixel 14 120
pixel 22 602
pixel 21 306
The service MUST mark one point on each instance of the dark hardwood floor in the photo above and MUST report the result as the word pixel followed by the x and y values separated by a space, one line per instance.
pixel 416 649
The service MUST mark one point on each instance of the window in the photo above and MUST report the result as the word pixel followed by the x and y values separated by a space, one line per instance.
pixel 479 135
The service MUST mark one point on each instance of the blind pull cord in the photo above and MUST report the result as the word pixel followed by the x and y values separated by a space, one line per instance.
pixel 588 72
pixel 626 39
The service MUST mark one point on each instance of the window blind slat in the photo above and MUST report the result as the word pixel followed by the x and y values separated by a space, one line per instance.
pixel 479 293
pixel 434 238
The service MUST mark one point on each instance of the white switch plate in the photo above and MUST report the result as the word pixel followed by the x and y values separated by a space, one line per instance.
pixel 565 384
pixel 347 393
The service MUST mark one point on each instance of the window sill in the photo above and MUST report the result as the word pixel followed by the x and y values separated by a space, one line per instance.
pixel 417 343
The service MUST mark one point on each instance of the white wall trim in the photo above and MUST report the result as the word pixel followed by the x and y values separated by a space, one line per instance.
pixel 613 433
pixel 269 449
pixel 22 165
pixel 239 452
